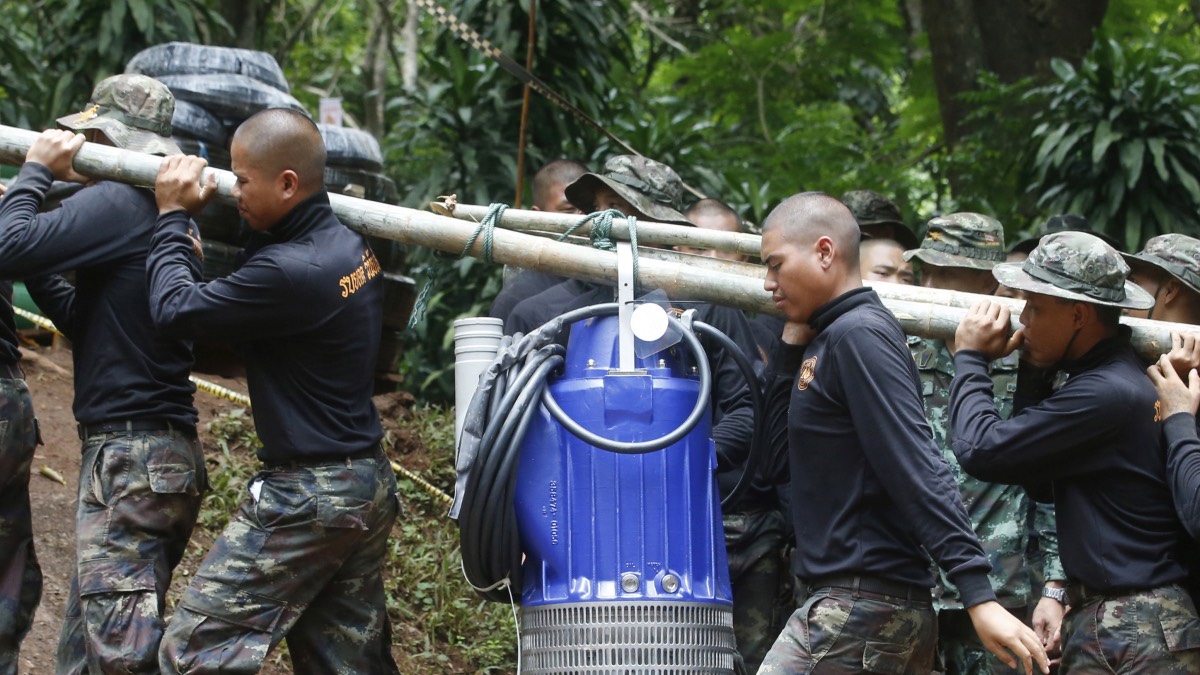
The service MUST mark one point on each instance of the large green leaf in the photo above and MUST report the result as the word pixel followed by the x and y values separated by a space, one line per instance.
pixel 1103 138
pixel 1132 153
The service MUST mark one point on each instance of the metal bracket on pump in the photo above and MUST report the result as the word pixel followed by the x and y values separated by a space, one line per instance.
pixel 625 285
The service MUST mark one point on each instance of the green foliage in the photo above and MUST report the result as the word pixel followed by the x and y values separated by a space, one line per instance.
pixel 985 166
pixel 229 472
pixel 425 585
pixel 55 51
pixel 466 288
pixel 1118 141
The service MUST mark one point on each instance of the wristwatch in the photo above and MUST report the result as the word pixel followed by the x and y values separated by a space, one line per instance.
pixel 1059 594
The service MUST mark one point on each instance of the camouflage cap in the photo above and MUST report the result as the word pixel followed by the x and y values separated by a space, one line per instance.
pixel 970 240
pixel 132 111
pixel 653 188
pixel 879 217
pixel 1076 266
pixel 1176 254
pixel 1065 222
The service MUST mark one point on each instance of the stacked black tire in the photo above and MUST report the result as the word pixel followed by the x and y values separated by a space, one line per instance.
pixel 216 89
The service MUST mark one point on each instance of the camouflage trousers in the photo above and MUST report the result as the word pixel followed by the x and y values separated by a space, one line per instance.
pixel 961 649
pixel 301 559
pixel 20 575
pixel 139 496
pixel 838 631
pixel 761 580
pixel 1153 631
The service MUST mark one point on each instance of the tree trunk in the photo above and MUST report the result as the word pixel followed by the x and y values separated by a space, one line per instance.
pixel 1013 39
pixel 242 16
pixel 375 66
pixel 408 38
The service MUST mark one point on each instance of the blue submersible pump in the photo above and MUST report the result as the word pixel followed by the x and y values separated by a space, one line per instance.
pixel 587 484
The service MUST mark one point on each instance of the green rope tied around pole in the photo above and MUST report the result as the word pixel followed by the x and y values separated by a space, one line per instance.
pixel 601 234
pixel 486 227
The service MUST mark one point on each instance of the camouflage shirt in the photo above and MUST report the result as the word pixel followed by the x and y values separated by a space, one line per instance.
pixel 1000 514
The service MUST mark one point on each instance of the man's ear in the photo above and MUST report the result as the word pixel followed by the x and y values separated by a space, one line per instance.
pixel 1079 313
pixel 1171 290
pixel 289 183
pixel 826 251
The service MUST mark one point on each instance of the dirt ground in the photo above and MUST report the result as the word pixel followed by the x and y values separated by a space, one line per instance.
pixel 49 377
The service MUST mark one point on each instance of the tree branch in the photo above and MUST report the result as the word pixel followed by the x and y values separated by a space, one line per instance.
pixel 651 24
pixel 281 54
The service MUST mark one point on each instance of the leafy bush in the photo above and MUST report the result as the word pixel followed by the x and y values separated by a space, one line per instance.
pixel 423 576
pixel 230 471
pixel 1119 142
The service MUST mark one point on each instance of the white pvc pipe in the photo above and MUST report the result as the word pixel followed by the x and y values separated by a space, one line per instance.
pixel 476 341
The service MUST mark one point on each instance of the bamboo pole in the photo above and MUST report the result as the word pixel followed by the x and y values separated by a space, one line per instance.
pixel 922 311
pixel 648 232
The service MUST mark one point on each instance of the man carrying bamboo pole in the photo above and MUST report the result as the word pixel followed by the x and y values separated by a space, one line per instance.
pixel 142 474
pixel 1093 446
pixel 958 254
pixel 1168 267
pixel 869 488
pixel 302 556
pixel 549 194
pixel 883 260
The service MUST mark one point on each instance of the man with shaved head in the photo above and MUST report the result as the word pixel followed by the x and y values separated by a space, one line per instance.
pixel 549 194
pixel 869 489
pixel 301 558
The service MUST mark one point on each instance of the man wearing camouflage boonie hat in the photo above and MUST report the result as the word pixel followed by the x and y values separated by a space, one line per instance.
pixel 1168 267
pixel 958 254
pixel 142 474
pixel 131 111
pixel 1091 445
pixel 878 217
pixel 634 185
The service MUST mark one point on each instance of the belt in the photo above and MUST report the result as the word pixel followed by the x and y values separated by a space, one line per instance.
pixel 133 426
pixel 917 596
pixel 308 461
pixel 11 371
pixel 1078 594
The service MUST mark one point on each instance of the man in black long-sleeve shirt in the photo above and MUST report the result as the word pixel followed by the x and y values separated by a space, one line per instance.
pixel 869 489
pixel 1094 442
pixel 142 473
pixel 302 557
pixel 549 195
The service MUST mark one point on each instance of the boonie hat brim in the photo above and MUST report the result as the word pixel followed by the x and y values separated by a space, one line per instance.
pixel 582 193
pixel 1138 259
pixel 122 135
pixel 1013 276
pixel 943 259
